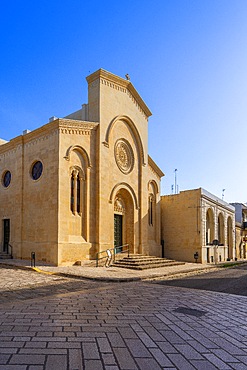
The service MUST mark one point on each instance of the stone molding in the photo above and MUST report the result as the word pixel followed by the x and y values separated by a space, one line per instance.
pixel 76 127
pixel 81 150
pixel 126 186
pixel 154 168
pixel 118 87
pixel 122 85
pixel 134 130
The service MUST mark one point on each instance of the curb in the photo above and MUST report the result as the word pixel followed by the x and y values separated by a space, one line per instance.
pixel 119 279
pixel 102 278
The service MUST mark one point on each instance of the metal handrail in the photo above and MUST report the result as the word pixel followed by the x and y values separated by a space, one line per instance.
pixel 101 258
pixel 114 250
pixel 121 250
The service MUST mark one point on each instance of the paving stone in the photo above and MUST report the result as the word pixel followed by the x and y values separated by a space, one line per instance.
pixel 198 346
pixel 147 364
pixel 127 333
pixel 124 359
pixel 180 361
pixel 8 350
pixel 189 352
pixel 216 361
pixel 243 359
pixel 4 358
pixel 90 351
pixel 108 359
pixel 147 341
pixel 13 367
pixel 167 347
pixel 43 351
pixel 154 334
pixel 137 348
pixel 27 359
pixel 160 357
pixel 93 365
pixel 171 337
pixel 203 365
pixel 225 356
pixel 59 345
pixel 56 362
pixel 75 359
pixel 115 340
pixel 238 366
pixel 104 345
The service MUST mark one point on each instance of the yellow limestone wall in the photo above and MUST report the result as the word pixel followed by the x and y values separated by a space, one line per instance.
pixel 181 225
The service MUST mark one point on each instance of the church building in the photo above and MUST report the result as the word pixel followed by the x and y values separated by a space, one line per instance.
pixel 84 183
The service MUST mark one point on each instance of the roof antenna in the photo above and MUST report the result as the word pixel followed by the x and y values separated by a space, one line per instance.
pixel 223 191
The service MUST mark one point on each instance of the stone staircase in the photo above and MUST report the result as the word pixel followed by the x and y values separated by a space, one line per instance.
pixel 140 262
pixel 4 255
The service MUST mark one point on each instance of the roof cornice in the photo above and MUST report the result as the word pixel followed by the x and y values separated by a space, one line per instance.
pixel 110 77
pixel 155 167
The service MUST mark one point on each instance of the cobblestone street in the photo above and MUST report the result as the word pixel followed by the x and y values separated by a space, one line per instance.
pixel 62 323
pixel 17 284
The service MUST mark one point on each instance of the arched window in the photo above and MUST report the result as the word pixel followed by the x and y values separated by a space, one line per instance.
pixel 76 191
pixel 221 229
pixel 78 198
pixel 209 226
pixel 72 199
pixel 150 209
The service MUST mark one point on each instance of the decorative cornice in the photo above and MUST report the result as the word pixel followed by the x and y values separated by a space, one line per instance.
pixel 74 127
pixel 11 146
pixel 60 125
pixel 122 85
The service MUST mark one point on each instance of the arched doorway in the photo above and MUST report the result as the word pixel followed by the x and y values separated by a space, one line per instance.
pixel 221 229
pixel 209 226
pixel 124 219
pixel 229 238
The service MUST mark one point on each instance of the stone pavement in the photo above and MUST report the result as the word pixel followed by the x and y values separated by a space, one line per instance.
pixel 115 274
pixel 135 325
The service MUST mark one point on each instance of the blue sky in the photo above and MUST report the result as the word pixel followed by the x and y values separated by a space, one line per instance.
pixel 186 58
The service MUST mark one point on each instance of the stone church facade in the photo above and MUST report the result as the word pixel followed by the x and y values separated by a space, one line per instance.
pixel 80 184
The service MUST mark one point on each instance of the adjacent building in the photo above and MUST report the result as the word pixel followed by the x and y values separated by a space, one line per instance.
pixel 241 229
pixel 197 226
pixel 84 183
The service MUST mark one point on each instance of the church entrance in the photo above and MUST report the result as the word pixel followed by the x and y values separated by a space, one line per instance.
pixel 6 234
pixel 123 220
pixel 118 230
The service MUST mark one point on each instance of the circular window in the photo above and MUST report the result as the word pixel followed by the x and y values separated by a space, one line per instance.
pixel 6 179
pixel 124 156
pixel 37 170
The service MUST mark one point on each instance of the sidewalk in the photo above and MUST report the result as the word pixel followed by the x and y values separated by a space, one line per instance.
pixel 111 274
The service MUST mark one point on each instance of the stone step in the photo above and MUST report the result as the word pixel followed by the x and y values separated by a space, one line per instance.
pixel 4 255
pixel 128 262
pixel 147 266
pixel 131 259
pixel 141 262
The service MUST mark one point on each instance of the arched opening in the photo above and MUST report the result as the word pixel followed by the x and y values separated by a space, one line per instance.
pixel 124 219
pixel 152 211
pixel 221 229
pixel 209 226
pixel 78 177
pixel 229 238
